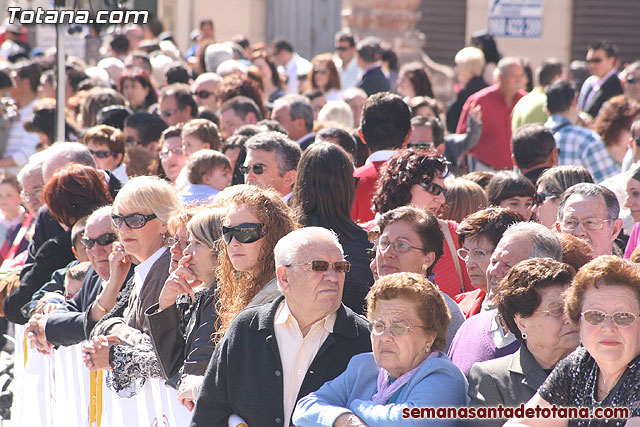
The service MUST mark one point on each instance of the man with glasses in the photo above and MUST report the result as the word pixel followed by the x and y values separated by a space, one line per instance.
pixel 602 60
pixel 631 82
pixel 271 162
pixel 590 212
pixel 177 104
pixel 106 144
pixel 304 338
pixel 143 131
pixel 204 89
pixel 345 59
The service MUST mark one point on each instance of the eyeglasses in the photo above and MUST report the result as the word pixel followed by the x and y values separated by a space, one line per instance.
pixel 133 221
pixel 258 169
pixel 342 48
pixel 397 329
pixel 204 94
pixel 632 80
pixel 620 318
pixel 26 196
pixel 172 241
pixel 323 72
pixel 247 232
pixel 399 246
pixel 322 266
pixel 464 253
pixel 421 145
pixel 589 223
pixel 433 188
pixel 168 113
pixel 103 154
pixel 556 312
pixel 103 240
pixel 164 154
pixel 594 60
pixel 539 198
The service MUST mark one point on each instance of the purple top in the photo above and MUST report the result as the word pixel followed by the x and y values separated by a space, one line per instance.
pixel 633 240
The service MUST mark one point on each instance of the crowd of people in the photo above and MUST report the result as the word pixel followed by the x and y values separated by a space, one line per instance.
pixel 325 242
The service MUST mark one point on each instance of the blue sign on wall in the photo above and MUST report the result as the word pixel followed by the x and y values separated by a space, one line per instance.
pixel 515 18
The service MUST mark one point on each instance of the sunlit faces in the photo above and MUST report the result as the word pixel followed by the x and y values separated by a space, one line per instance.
pixel 141 242
pixel 32 185
pixel 546 212
pixel 10 201
pixel 175 160
pixel 632 201
pixel 218 178
pixel 548 329
pixel 522 205
pixel 243 256
pixel 389 260
pixel 230 121
pixel 607 342
pixel 134 92
pixel 480 250
pixel 270 176
pixel 202 261
pixel 110 162
pixel 599 63
pixel 399 355
pixel 99 255
pixel 191 144
pixel 405 87
pixel 179 243
pixel 421 198
pixel 510 251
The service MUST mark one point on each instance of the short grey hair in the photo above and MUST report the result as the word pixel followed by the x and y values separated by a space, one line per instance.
pixel 287 248
pixel 288 153
pixel 591 190
pixel 545 243
pixel 505 63
pixel 68 152
pixel 34 165
pixel 299 108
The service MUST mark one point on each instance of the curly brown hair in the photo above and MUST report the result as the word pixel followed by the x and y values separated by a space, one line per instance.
pixel 614 117
pixel 402 171
pixel 606 270
pixel 430 305
pixel 236 289
pixel 233 86
pixel 519 290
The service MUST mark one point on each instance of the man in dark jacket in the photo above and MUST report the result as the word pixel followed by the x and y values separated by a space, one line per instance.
pixel 603 83
pixel 373 79
pixel 274 354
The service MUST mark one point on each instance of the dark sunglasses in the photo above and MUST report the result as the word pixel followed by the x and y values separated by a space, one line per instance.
pixel 258 169
pixel 247 232
pixel 342 48
pixel 540 197
pixel 204 94
pixel 103 154
pixel 433 188
pixel 133 221
pixel 322 266
pixel 103 240
pixel 632 80
pixel 594 60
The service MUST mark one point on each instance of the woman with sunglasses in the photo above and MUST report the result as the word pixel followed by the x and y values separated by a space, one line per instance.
pixel 325 77
pixel 408 320
pixel 416 177
pixel 603 302
pixel 531 303
pixel 140 213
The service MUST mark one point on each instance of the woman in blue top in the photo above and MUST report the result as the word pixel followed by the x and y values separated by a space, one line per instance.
pixel 408 324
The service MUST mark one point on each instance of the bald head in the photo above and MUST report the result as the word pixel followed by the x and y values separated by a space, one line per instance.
pixel 61 154
pixel 205 87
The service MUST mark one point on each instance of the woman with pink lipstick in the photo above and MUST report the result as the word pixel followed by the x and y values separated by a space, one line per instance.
pixel 633 204
pixel 603 302
pixel 530 301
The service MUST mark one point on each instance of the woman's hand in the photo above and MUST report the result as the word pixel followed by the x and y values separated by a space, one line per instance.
pixel 119 264
pixel 349 419
pixel 95 353
pixel 178 283
pixel 186 392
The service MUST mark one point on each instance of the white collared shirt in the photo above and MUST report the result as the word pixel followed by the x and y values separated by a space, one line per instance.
pixel 141 271
pixel 121 173
pixel 380 156
pixel 297 352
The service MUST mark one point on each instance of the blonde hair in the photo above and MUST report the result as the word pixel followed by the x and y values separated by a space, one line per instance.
pixel 472 58
pixel 337 111
pixel 148 194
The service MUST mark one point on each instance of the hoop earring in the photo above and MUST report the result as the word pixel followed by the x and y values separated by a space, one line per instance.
pixel 524 335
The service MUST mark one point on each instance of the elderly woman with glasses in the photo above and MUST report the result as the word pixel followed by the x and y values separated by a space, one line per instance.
pixel 140 214
pixel 411 241
pixel 408 323
pixel 603 302
pixel 530 301
pixel 416 177
pixel 479 235
pixel 172 158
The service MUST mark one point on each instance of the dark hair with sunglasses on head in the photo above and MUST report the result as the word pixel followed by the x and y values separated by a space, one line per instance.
pixel 603 301
pixel 238 288
pixel 405 169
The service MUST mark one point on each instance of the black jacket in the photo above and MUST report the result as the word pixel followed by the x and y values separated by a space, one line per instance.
pixel 66 325
pixel 183 345
pixel 610 88
pixel 55 253
pixel 455 108
pixel 359 279
pixel 374 81
pixel 245 373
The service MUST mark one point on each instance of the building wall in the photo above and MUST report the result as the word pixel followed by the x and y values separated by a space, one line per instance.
pixel 556 32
